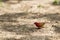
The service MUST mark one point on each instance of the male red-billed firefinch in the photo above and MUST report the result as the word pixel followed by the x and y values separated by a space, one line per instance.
pixel 39 24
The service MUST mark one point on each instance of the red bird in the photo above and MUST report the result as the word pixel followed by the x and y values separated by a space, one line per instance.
pixel 39 24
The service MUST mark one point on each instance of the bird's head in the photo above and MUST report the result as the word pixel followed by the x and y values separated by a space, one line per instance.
pixel 35 22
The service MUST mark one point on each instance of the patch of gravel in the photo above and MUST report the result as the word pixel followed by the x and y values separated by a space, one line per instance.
pixel 31 6
pixel 18 29
pixel 34 38
pixel 16 20
pixel 39 38
pixel 31 38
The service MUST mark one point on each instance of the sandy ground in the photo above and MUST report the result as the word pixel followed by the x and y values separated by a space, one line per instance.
pixel 16 20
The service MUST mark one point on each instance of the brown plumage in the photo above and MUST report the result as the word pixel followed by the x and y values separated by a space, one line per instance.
pixel 39 24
